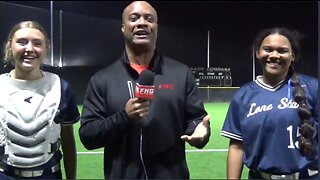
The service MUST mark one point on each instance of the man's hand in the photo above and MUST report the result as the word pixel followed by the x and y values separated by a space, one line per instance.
pixel 200 134
pixel 137 109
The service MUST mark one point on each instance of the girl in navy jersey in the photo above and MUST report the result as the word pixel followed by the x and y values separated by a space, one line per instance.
pixel 37 111
pixel 272 122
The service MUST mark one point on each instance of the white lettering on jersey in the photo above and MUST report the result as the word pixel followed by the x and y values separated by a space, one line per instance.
pixel 254 110
pixel 284 103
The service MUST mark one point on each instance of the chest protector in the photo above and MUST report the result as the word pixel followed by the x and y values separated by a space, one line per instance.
pixel 27 110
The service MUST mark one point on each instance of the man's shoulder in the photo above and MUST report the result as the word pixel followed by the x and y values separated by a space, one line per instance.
pixel 173 62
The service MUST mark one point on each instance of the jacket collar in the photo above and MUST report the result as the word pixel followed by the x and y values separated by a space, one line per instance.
pixel 155 62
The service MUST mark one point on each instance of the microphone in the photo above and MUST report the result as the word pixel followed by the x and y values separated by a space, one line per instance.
pixel 145 87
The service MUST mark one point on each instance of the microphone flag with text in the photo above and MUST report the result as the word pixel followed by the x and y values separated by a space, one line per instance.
pixel 145 87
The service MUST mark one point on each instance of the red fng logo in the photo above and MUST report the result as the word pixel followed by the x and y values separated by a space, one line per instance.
pixel 166 86
pixel 143 91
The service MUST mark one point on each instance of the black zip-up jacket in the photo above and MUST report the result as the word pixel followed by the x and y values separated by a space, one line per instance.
pixel 175 110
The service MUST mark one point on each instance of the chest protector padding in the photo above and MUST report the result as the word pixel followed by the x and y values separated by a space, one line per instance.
pixel 27 111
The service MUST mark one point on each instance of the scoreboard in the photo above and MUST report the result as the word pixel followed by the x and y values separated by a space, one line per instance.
pixel 212 76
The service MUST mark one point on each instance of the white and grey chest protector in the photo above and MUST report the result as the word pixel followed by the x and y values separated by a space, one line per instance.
pixel 27 111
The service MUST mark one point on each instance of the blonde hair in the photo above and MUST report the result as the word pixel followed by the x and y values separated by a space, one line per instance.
pixel 8 57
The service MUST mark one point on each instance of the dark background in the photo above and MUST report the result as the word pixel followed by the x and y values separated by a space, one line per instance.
pixel 87 36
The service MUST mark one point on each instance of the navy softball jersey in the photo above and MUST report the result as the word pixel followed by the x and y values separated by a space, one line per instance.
pixel 266 119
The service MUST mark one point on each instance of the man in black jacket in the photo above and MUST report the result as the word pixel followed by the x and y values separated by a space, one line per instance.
pixel 143 139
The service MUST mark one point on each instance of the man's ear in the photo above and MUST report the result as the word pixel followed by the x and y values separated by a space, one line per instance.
pixel 122 28
pixel 257 54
